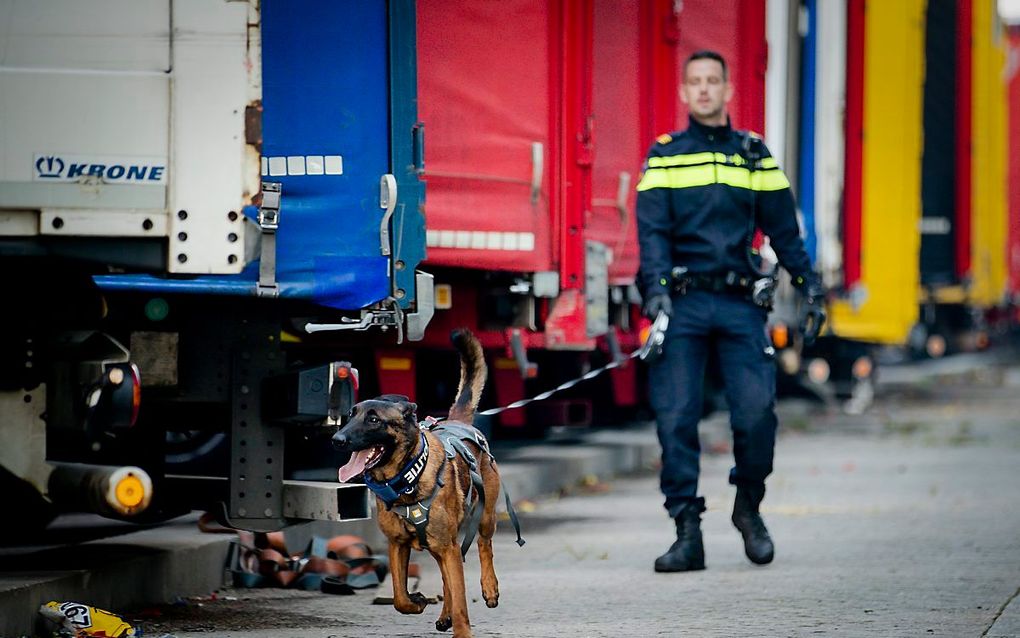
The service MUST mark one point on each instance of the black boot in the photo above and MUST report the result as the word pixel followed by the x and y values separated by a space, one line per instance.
pixel 757 542
pixel 687 553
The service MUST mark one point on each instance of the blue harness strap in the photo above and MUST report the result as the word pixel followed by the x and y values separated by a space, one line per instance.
pixel 405 481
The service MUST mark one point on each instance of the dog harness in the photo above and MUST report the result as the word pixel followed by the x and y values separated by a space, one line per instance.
pixel 452 436
pixel 405 481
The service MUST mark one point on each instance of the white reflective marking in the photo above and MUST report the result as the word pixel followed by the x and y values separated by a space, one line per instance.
pixel 303 165
pixel 334 165
pixel 295 164
pixel 314 165
pixel 277 166
pixel 480 239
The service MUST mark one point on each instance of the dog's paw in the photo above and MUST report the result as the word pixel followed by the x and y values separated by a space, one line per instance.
pixel 444 623
pixel 420 600
pixel 491 595
pixel 415 604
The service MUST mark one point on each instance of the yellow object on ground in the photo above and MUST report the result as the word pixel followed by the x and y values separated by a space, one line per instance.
pixel 77 619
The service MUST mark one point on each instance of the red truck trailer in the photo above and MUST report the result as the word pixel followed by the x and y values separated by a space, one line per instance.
pixel 538 116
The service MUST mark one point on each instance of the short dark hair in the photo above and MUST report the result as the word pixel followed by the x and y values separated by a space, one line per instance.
pixel 707 54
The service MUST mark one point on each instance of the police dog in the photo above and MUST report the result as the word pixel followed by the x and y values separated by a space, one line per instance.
pixel 386 442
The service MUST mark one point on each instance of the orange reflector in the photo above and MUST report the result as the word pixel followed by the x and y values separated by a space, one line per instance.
pixel 643 334
pixel 936 346
pixel 862 368
pixel 818 371
pixel 442 296
pixel 504 363
pixel 394 363
pixel 343 372
pixel 780 335
pixel 136 393
pixel 130 491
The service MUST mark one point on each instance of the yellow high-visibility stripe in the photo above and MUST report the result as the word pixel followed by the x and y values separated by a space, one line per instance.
pixel 734 176
pixel 682 177
pixel 768 162
pixel 691 176
pixel 772 180
pixel 682 160
pixel 707 157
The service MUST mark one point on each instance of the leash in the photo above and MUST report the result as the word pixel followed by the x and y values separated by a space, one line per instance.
pixel 651 349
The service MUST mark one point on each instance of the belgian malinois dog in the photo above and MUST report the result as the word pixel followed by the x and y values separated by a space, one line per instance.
pixel 424 494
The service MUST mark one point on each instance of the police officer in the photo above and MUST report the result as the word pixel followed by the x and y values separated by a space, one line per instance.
pixel 703 192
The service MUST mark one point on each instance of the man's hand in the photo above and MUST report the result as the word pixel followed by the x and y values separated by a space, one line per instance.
pixel 814 312
pixel 656 304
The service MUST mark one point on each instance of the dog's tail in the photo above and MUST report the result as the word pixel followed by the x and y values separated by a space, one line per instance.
pixel 472 375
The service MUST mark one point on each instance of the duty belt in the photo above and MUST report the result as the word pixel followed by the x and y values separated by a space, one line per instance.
pixel 760 291
pixel 729 282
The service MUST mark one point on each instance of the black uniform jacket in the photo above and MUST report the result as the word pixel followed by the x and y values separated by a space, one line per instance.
pixel 694 208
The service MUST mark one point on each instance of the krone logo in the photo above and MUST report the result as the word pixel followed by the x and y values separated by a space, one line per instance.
pixel 49 166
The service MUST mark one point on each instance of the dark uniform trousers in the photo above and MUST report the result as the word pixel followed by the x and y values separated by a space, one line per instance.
pixel 735 328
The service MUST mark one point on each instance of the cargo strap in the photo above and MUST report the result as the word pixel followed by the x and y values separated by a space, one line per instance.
pixel 269 222
pixel 328 564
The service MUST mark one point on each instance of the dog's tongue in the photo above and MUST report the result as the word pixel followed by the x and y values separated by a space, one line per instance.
pixel 355 466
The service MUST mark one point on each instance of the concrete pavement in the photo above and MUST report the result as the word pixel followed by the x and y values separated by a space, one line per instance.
pixel 884 523
pixel 899 523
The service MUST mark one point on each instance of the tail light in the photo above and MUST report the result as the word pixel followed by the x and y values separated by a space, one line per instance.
pixel 116 400
pixel 309 396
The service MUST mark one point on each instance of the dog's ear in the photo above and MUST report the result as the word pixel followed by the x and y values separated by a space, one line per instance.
pixel 408 409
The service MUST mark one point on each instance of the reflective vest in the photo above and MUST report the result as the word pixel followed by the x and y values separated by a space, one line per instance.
pixel 700 198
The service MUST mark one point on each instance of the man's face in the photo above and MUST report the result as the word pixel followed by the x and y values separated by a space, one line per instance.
pixel 705 91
